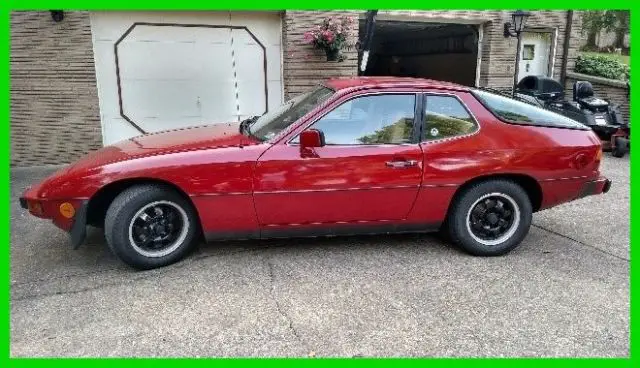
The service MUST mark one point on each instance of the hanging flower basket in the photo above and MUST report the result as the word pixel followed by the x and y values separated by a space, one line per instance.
pixel 332 54
pixel 332 36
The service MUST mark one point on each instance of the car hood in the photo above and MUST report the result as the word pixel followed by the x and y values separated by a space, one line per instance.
pixel 165 142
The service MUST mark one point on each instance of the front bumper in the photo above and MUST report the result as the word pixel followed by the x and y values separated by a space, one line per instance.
pixel 76 226
pixel 79 227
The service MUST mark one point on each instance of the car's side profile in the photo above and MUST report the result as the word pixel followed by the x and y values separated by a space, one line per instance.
pixel 352 156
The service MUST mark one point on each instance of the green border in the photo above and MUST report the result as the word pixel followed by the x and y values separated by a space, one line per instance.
pixel 298 5
pixel 7 6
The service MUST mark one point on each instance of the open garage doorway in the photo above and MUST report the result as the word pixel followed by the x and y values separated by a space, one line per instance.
pixel 441 51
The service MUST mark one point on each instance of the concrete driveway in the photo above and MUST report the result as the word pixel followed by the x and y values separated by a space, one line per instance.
pixel 564 292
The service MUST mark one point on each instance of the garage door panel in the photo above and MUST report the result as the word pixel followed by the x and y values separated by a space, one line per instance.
pixel 250 63
pixel 275 94
pixel 144 99
pixel 218 104
pixel 216 62
pixel 266 27
pixel 174 76
pixel 139 59
pixel 179 33
pixel 166 123
pixel 251 78
pixel 111 25
pixel 105 64
pixel 242 37
pixel 115 129
pixel 274 67
pixel 251 98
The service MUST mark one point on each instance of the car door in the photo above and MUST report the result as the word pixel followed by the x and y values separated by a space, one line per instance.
pixel 369 170
pixel 450 154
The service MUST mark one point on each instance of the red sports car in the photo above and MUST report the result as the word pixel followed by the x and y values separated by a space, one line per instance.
pixel 352 156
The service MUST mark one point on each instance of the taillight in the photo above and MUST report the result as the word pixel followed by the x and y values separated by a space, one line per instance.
pixel 598 157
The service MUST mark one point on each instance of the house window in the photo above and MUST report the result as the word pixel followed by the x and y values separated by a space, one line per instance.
pixel 528 52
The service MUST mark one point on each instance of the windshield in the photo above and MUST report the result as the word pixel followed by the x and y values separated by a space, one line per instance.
pixel 513 111
pixel 275 121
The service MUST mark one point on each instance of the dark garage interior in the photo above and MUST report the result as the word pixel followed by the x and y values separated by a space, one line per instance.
pixel 447 52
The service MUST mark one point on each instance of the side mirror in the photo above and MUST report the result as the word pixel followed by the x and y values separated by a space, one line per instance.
pixel 310 139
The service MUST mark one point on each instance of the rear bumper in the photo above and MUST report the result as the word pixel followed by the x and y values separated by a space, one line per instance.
pixel 595 187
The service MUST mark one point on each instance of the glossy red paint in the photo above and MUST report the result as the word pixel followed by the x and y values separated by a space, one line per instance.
pixel 244 188
pixel 392 83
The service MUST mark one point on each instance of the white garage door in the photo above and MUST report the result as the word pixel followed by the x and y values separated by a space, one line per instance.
pixel 158 71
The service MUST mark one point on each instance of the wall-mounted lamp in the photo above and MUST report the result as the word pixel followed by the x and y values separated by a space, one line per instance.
pixel 57 15
pixel 519 20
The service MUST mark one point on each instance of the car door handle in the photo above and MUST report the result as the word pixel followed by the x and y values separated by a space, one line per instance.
pixel 402 164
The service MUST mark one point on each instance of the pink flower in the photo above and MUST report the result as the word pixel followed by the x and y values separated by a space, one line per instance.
pixel 328 36
pixel 309 37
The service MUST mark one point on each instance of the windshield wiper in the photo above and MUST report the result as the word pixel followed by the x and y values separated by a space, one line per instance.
pixel 244 124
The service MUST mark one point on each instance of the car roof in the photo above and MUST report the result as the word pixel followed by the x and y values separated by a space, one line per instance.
pixel 391 82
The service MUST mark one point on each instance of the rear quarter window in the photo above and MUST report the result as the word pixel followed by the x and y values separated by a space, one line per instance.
pixel 517 112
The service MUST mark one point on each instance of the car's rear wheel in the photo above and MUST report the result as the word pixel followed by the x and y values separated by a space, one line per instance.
pixel 150 226
pixel 490 218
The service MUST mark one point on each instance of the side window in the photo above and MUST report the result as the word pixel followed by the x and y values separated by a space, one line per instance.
pixel 377 119
pixel 445 116
pixel 517 112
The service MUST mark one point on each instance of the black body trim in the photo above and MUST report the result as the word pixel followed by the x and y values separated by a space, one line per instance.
pixel 311 231
pixel 79 228
pixel 232 235
pixel 23 203
pixel 418 118
pixel 591 188
pixel 324 230
pixel 588 189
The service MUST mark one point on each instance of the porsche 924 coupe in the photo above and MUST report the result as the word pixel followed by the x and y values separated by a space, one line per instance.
pixel 351 156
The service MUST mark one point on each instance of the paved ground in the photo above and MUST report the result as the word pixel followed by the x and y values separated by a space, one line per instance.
pixel 564 292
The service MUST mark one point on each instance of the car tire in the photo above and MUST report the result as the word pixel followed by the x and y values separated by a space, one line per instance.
pixel 618 150
pixel 490 218
pixel 150 226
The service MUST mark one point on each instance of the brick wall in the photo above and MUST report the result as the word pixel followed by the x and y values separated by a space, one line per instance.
pixel 54 102
pixel 303 66
pixel 613 90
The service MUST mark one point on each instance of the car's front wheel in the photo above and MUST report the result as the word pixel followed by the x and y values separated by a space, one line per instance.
pixel 490 218
pixel 150 226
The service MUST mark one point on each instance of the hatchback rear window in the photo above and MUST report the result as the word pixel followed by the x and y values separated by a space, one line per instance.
pixel 517 112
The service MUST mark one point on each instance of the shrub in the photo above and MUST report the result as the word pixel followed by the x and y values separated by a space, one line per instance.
pixel 601 66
